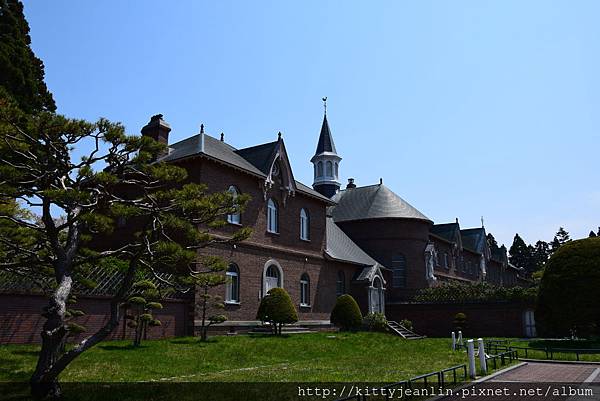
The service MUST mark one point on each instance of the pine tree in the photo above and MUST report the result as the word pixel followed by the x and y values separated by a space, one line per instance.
pixel 592 234
pixel 561 237
pixel 519 253
pixel 79 202
pixel 492 243
pixel 21 72
pixel 540 255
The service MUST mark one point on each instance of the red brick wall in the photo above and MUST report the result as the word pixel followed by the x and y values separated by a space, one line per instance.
pixel 251 261
pixel 22 321
pixel 490 319
pixel 384 238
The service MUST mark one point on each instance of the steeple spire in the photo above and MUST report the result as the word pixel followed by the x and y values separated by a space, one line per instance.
pixel 326 160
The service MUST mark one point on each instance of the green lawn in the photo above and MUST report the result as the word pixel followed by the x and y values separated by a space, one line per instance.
pixel 308 357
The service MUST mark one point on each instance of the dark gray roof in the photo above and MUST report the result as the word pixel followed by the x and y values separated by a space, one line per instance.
pixel 260 156
pixel 340 247
pixel 325 143
pixel 372 202
pixel 252 160
pixel 448 231
pixel 474 239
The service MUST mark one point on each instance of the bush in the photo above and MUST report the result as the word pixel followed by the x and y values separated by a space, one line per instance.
pixel 277 308
pixel 375 322
pixel 346 313
pixel 568 296
pixel 407 324
pixel 460 321
pixel 481 292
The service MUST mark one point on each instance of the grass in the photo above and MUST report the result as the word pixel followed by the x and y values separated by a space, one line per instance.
pixel 318 357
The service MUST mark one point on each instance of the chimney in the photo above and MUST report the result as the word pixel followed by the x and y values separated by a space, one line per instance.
pixel 351 183
pixel 157 129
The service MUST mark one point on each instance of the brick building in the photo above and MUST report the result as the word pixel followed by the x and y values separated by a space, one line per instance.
pixel 324 241
pixel 316 242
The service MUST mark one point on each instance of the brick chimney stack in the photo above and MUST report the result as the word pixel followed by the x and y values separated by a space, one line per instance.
pixel 157 129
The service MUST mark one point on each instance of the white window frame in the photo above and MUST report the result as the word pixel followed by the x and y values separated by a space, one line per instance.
pixel 233 284
pixel 272 217
pixel 237 217
pixel 304 290
pixel 304 225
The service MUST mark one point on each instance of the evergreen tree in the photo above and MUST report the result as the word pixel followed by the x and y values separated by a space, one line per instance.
pixel 592 234
pixel 540 255
pixel 492 243
pixel 21 72
pixel 519 253
pixel 79 202
pixel 561 237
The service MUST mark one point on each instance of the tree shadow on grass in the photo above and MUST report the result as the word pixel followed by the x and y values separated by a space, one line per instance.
pixel 194 341
pixel 25 352
pixel 121 347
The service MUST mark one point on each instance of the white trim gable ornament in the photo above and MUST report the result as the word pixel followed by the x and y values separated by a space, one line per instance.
pixel 430 257
pixel 280 167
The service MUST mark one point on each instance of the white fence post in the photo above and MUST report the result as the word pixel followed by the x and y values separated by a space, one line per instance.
pixel 471 354
pixel 482 360
pixel 453 341
pixel 460 340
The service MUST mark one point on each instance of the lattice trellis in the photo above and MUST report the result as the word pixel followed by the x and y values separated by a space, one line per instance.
pixel 107 283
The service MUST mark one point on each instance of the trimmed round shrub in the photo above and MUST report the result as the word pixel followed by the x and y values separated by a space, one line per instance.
pixel 277 308
pixel 460 321
pixel 569 291
pixel 346 313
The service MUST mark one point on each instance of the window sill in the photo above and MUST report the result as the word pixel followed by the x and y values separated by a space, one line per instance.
pixel 234 224
pixel 272 233
pixel 305 305
pixel 232 303
pixel 305 240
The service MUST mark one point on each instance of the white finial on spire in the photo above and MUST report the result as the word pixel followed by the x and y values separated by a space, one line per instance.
pixel 481 221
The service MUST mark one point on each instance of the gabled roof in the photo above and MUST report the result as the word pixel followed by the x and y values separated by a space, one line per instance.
pixel 372 202
pixel 260 156
pixel 448 231
pixel 251 160
pixel 474 239
pixel 325 143
pixel 340 247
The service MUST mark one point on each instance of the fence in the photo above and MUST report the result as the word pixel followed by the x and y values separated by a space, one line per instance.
pixel 454 372
pixel 493 347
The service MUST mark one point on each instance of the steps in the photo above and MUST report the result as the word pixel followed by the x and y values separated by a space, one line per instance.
pixel 402 331
pixel 267 329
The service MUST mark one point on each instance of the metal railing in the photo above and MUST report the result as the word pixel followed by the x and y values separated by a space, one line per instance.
pixel 422 380
pixel 506 356
pixel 546 352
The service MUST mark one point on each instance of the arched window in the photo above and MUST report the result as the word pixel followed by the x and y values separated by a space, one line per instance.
pixel 336 170
pixel 232 291
pixel 234 218
pixel 398 271
pixel 320 169
pixel 272 217
pixel 272 276
pixel 304 225
pixel 304 290
pixel 329 169
pixel 340 285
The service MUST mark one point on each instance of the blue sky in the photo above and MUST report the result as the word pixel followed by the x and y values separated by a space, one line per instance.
pixel 465 108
